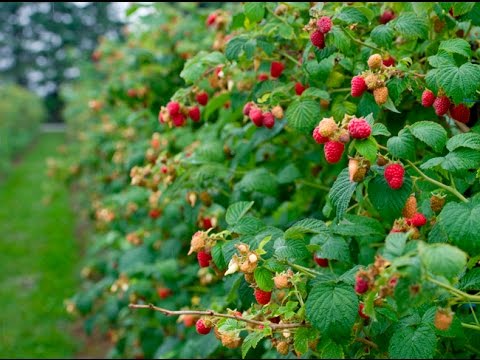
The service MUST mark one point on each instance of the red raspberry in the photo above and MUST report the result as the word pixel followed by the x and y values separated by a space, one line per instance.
pixel 441 105
pixel 320 261
pixel 427 98
pixel 262 77
pixel 207 223
pixel 361 306
pixel 202 329
pixel 203 258
pixel 417 220
pixel 333 151
pixel 318 137
pixel 155 213
pixel 299 88
pixel 324 24
pixel 359 128
pixel 263 297
pixel 318 39
pixel 460 113
pixel 358 86
pixel 211 19
pixel 247 107
pixel 173 108
pixel 202 98
pixel 361 285
pixel 276 69
pixel 178 119
pixel 394 175
pixel 268 120
pixel 164 169
pixel 386 16
pixel 163 292
pixel 390 61
pixel 194 113
pixel 256 116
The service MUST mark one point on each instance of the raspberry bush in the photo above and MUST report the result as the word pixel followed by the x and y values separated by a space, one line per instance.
pixel 199 156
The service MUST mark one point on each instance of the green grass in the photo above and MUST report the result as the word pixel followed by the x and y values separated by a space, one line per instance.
pixel 38 261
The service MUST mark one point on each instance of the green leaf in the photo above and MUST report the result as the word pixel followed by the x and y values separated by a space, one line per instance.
pixel 236 211
pixel 403 145
pixel 443 259
pixel 254 11
pixel 461 8
pixel 395 245
pixel 461 159
pixel 356 225
pixel 329 349
pixel 367 148
pixel 303 114
pixel 216 103
pixel 288 174
pixel 292 249
pixel 264 279
pixel 217 256
pixel 341 192
pixel 305 226
pixel 430 133
pixel 340 107
pixel 411 26
pixel 302 337
pixel 469 140
pixel 474 14
pixel 350 15
pixel 456 46
pixel 459 83
pixel 412 342
pixel 340 39
pixel 235 47
pixel 388 202
pixel 248 225
pixel 316 93
pixel 382 35
pixel 332 247
pixel 461 222
pixel 332 308
pixel 471 280
pixel 196 66
pixel 380 129
pixel 251 341
pixel 259 180
pixel 441 59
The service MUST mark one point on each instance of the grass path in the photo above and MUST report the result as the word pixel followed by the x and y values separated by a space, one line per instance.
pixel 38 261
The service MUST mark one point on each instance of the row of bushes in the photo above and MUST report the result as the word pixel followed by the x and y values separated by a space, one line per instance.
pixel 21 114
pixel 307 171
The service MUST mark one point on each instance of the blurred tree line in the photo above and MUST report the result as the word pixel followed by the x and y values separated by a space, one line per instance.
pixel 42 43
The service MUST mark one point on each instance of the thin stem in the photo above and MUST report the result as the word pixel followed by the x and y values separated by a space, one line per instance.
pixel 303 269
pixel 290 58
pixel 366 342
pixel 215 314
pixel 362 43
pixel 339 90
pixel 471 326
pixel 473 313
pixel 438 183
pixel 298 295
pixel 311 184
pixel 453 290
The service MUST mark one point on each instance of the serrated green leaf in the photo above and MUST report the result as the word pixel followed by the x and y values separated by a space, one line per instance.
pixel 461 8
pixel 247 225
pixel 214 104
pixel 197 65
pixel 316 93
pixel 305 226
pixel 303 114
pixel 236 211
pixel 389 105
pixel 332 308
pixel 456 46
pixel 433 162
pixel 355 225
pixel 302 337
pixel 469 140
pixel 471 280
pixel 292 249
pixel 382 35
pixel 341 192
pixel 332 247
pixel 351 15
pixel 251 341
pixel 461 159
pixel 394 245
pixel 411 26
pixel 443 259
pixel 340 107
pixel 367 148
pixel 217 256
pixel 459 83
pixel 264 278
pixel 258 180
pixel 380 129
pixel 441 59
pixel 288 174
pixel 235 47
pixel 412 342
pixel 430 133
pixel 329 349
pixel 340 39
pixel 403 145
pixel 254 11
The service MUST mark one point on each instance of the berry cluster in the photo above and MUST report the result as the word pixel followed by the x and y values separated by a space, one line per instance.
pixel 411 220
pixel 319 28
pixel 177 114
pixel 443 105
pixel 262 118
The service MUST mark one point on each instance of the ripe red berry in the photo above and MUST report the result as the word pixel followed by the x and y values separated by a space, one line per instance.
pixel 131 92
pixel 318 137
pixel 361 285
pixel 211 19
pixel 390 61
pixel 299 88
pixel 276 69
pixel 194 113
pixel 386 16
pixel 164 169
pixel 320 261
pixel 173 108
pixel 441 105
pixel 358 86
pixel 164 292
pixel 427 98
pixel 247 107
pixel 256 115
pixel 203 258
pixel 318 39
pixel 188 320
pixel 178 119
pixel 417 220
pixel 207 223
pixel 262 77
pixel 333 151
pixel 268 120
pixel 460 113
pixel 202 329
pixel 359 128
pixel 154 213
pixel 263 297
pixel 202 98
pixel 324 24
pixel 394 174
pixel 361 306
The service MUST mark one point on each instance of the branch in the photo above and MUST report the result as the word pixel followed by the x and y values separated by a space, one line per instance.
pixel 367 342
pixel 453 290
pixel 361 42
pixel 215 314
pixel 471 326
